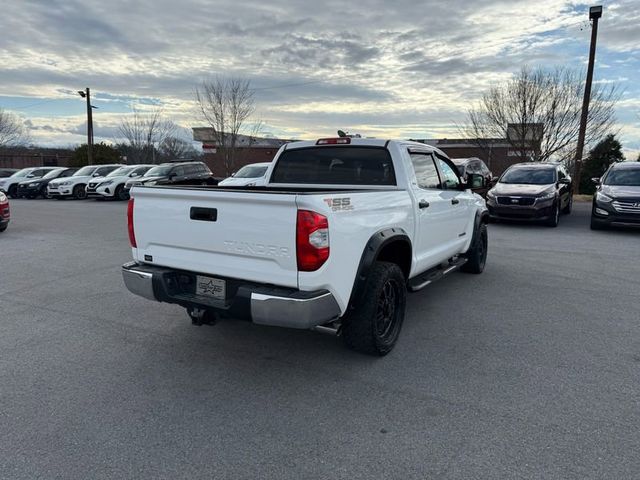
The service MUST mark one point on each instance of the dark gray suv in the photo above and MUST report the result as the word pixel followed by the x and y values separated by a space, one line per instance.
pixel 178 173
pixel 617 197
pixel 532 191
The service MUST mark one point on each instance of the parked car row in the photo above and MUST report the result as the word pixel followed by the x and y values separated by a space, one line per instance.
pixel 101 181
pixel 525 191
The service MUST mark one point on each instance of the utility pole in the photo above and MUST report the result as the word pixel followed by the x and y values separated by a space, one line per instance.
pixel 594 15
pixel 87 94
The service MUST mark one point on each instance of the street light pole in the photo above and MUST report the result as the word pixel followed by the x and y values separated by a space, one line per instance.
pixel 594 15
pixel 87 94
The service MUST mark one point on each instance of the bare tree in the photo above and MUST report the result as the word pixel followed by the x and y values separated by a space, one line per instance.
pixel 538 113
pixel 227 105
pixel 144 132
pixel 174 147
pixel 12 130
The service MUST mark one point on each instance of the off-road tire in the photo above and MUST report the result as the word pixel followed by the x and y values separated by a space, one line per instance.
pixel 80 192
pixel 374 325
pixel 555 217
pixel 477 254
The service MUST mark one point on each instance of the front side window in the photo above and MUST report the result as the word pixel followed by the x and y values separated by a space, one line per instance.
pixel 425 169
pixel 450 179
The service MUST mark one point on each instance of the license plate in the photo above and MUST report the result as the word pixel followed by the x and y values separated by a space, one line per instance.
pixel 211 287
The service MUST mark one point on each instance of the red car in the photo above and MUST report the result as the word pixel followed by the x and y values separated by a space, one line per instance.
pixel 5 215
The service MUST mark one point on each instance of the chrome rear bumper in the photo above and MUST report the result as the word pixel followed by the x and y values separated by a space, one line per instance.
pixel 262 304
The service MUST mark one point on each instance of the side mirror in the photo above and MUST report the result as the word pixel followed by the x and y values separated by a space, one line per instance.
pixel 31 175
pixel 596 180
pixel 564 181
pixel 233 174
pixel 475 180
pixel 95 174
pixel 134 174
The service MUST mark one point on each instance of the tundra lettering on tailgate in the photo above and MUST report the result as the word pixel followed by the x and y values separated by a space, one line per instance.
pixel 258 249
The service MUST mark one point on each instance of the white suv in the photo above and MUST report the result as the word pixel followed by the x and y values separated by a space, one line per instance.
pixel 248 176
pixel 75 185
pixel 112 185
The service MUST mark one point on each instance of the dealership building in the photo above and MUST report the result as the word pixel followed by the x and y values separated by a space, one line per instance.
pixel 497 153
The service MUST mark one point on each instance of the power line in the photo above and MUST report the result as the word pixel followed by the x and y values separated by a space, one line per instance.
pixel 35 104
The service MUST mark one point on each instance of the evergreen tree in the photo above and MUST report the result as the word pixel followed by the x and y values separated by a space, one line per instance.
pixel 605 153
pixel 102 154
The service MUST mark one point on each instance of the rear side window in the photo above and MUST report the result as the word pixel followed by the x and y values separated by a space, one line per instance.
pixel 335 166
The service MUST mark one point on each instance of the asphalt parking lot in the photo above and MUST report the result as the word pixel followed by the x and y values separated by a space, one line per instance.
pixel 530 370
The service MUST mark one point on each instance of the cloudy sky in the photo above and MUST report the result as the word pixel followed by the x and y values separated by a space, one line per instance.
pixel 380 68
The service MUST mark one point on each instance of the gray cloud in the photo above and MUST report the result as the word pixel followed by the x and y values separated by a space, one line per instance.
pixel 403 61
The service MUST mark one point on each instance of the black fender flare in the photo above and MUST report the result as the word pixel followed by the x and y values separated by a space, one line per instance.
pixel 482 216
pixel 371 252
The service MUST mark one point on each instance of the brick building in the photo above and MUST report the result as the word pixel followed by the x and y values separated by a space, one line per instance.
pixel 23 157
pixel 497 153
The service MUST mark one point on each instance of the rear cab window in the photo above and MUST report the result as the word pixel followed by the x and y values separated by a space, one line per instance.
pixel 353 165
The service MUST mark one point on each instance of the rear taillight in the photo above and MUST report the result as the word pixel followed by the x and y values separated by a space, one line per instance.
pixel 312 240
pixel 132 233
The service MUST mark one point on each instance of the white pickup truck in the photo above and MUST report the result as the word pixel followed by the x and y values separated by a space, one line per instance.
pixel 339 233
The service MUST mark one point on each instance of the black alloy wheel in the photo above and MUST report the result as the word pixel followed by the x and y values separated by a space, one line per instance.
pixel 388 303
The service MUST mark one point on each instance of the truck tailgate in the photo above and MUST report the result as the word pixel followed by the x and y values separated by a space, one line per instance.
pixel 237 234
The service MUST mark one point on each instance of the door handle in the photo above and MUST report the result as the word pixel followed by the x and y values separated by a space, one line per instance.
pixel 455 201
pixel 423 204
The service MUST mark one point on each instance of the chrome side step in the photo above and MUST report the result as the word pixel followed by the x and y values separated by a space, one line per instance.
pixel 420 281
